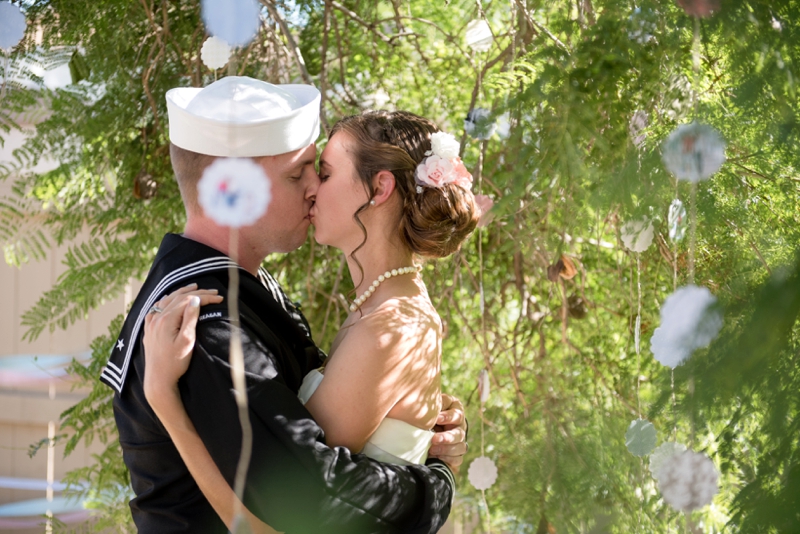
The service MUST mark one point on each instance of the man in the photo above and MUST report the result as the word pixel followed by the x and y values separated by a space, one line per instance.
pixel 295 483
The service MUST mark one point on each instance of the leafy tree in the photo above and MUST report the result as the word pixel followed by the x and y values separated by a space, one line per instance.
pixel 565 376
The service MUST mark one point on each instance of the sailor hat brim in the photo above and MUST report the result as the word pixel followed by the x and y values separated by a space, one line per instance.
pixel 242 117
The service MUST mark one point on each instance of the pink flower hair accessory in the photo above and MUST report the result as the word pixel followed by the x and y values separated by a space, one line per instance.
pixel 442 165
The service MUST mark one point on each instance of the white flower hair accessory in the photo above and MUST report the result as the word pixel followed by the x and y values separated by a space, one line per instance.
pixel 442 165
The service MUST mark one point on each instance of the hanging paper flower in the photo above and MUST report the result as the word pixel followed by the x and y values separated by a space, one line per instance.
pixel 234 192
pixel 689 321
pixel 483 385
pixel 482 473
pixel 479 124
pixel 637 235
pixel 693 152
pixel 688 480
pixel 640 439
pixel 676 219
pixel 484 204
pixel 478 35
pixel 636 127
pixel 12 26
pixel 661 454
pixel 234 21
pixel 215 53
pixel 699 8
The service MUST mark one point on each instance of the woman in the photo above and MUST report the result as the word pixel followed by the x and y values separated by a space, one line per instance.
pixel 392 189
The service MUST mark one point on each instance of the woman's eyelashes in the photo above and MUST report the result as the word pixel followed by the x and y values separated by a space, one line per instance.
pixel 324 177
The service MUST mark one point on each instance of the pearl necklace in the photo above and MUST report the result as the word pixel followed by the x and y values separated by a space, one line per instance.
pixel 382 278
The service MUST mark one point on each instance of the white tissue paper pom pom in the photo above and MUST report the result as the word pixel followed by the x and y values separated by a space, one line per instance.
pixel 12 25
pixel 688 480
pixel 637 235
pixel 479 124
pixel 215 53
pixel 234 21
pixel 444 145
pixel 640 439
pixel 483 385
pixel 688 322
pixel 478 35
pixel 482 473
pixel 662 453
pixel 676 219
pixel 693 152
pixel 234 192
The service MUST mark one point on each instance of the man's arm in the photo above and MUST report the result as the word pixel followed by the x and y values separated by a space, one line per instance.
pixel 295 482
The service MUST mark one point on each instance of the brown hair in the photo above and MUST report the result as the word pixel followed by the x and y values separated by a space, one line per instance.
pixel 188 167
pixel 434 222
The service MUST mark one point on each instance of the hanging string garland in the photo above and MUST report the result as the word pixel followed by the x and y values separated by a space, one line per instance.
pixel 693 152
pixel 484 203
pixel 637 235
pixel 689 321
pixel 479 124
pixel 636 127
pixel 688 480
pixel 234 21
pixel 483 385
pixel 676 220
pixel 478 35
pixel 215 53
pixel 699 8
pixel 234 192
pixel 12 26
pixel 661 454
pixel 640 439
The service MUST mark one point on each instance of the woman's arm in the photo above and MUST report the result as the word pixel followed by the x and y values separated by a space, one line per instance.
pixel 168 341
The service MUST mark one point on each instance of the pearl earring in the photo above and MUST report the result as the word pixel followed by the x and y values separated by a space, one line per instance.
pixel 372 202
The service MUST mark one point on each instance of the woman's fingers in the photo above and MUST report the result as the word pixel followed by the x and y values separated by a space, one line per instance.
pixel 187 334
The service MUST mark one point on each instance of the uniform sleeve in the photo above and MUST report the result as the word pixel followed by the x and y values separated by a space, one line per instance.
pixel 295 482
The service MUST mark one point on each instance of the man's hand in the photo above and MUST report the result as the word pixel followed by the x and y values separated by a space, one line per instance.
pixel 449 443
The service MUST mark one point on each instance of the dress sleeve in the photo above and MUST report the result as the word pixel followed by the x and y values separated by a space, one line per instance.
pixel 295 482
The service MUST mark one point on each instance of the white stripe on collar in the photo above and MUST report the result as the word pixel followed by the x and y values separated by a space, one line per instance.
pixel 115 376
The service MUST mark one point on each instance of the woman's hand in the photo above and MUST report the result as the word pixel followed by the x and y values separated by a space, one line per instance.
pixel 169 337
pixel 449 443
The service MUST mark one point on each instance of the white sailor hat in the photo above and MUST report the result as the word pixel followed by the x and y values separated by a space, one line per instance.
pixel 243 117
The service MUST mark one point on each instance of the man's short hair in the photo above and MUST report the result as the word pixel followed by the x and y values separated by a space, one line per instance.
pixel 188 167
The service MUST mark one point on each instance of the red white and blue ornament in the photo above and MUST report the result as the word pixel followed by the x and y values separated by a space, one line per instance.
pixel 693 152
pixel 234 192
pixel 215 53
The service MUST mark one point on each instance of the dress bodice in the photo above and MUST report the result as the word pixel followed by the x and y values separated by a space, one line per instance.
pixel 395 441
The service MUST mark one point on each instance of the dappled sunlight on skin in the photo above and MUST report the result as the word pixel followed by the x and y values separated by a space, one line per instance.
pixel 385 363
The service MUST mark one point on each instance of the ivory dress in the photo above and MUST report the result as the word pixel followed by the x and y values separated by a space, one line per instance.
pixel 394 442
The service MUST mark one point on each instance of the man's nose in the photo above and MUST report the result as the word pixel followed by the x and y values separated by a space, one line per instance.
pixel 312 185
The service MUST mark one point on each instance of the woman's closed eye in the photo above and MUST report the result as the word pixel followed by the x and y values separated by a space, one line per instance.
pixel 324 177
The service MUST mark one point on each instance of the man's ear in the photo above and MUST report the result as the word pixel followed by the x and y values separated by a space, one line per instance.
pixel 383 184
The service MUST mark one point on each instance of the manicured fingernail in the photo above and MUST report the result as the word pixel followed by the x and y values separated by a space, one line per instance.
pixel 194 302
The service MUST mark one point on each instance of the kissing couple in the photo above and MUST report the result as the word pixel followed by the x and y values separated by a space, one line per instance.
pixel 360 441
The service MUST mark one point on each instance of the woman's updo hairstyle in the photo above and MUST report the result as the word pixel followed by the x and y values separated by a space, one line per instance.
pixel 434 222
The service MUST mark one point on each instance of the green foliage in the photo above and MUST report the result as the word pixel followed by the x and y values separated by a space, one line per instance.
pixel 566 378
